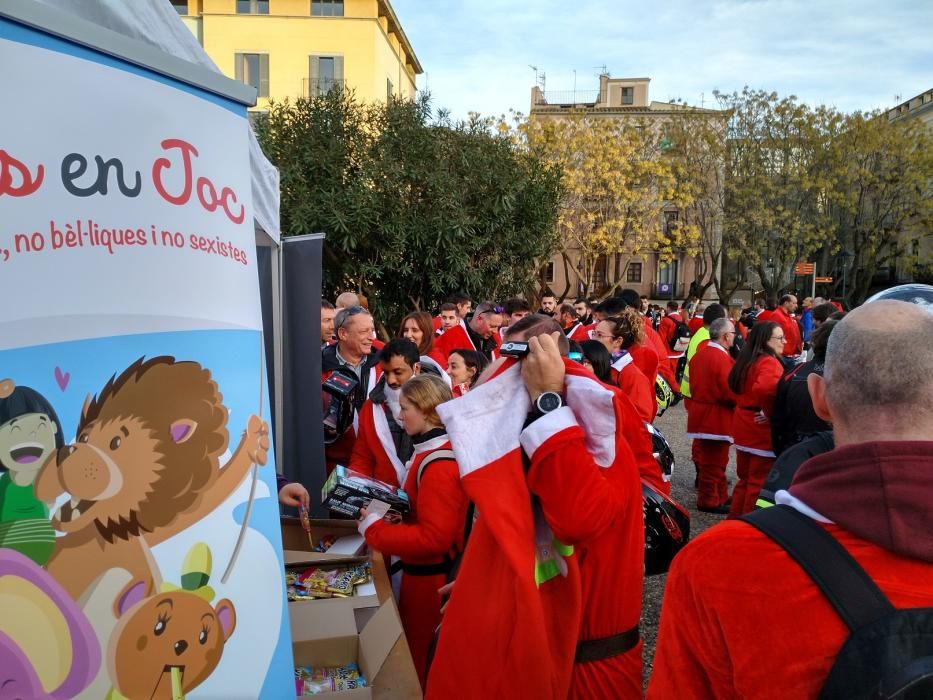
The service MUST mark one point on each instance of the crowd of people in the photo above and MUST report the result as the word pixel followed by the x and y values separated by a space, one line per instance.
pixel 523 441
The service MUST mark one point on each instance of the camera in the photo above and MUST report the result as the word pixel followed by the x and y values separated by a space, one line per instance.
pixel 513 349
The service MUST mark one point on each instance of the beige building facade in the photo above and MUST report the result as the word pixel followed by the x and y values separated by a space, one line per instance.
pixel 620 99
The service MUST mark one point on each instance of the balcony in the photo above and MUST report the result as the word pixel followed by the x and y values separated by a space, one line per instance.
pixel 668 290
pixel 567 98
pixel 313 88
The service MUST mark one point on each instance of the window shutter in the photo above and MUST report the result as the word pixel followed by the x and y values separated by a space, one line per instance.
pixel 314 75
pixel 338 71
pixel 263 75
pixel 238 66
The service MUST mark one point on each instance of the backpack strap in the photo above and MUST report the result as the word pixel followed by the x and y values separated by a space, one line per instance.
pixel 431 459
pixel 850 590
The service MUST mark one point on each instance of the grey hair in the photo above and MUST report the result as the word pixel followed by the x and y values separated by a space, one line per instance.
pixel 344 314
pixel 882 366
pixel 719 328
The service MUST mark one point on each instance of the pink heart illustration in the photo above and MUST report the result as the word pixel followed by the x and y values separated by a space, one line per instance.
pixel 62 378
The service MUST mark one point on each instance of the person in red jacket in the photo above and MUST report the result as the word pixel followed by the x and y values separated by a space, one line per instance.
pixel 429 541
pixel 619 334
pixel 382 447
pixel 871 493
pixel 783 316
pixel 481 333
pixel 669 323
pixel 417 327
pixel 754 379
pixel 696 323
pixel 709 421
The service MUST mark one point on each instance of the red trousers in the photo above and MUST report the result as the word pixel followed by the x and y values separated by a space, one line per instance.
pixel 419 606
pixel 712 456
pixel 752 471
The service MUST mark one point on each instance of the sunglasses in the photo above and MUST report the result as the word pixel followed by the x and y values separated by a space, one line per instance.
pixel 492 310
pixel 347 313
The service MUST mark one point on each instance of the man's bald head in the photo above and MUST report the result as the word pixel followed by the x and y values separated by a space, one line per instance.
pixel 879 373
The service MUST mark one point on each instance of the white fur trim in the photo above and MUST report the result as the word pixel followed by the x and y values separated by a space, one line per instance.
pixel 708 436
pixel 755 451
pixel 384 433
pixel 425 360
pixel 432 444
pixel 714 344
pixel 485 423
pixel 785 498
pixel 545 427
pixel 623 362
pixel 592 404
pixel 368 522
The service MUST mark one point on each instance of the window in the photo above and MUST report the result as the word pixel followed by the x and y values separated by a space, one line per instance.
pixel 325 73
pixel 667 274
pixel 549 272
pixel 390 92
pixel 633 274
pixel 253 69
pixel 327 8
pixel 628 95
pixel 670 221
pixel 252 7
pixel 600 271
pixel 181 6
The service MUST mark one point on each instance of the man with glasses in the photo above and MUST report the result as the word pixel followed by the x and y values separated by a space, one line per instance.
pixel 352 352
pixel 709 421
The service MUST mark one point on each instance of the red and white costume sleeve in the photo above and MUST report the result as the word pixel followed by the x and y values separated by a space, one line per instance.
pixel 636 386
pixel 374 450
pixel 712 402
pixel 580 333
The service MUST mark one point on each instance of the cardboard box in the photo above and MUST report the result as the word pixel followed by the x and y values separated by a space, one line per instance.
pixel 346 491
pixel 298 548
pixel 337 643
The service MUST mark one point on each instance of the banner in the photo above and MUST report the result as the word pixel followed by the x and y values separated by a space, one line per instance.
pixel 140 552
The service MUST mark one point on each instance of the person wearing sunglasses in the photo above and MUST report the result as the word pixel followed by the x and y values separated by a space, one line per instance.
pixel 618 334
pixel 351 353
pixel 754 378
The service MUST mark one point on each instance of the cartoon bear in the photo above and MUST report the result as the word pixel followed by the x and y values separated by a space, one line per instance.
pixel 168 644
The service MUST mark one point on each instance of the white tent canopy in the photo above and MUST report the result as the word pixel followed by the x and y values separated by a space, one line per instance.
pixel 156 23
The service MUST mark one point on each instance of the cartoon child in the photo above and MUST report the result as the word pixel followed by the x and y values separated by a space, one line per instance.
pixel 29 432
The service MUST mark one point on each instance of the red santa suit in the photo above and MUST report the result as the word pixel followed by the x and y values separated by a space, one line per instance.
pixel 666 331
pixel 741 619
pixel 646 359
pixel 426 543
pixel 374 452
pixel 457 338
pixel 580 332
pixel 524 601
pixel 636 386
pixel 665 369
pixel 695 324
pixel 793 344
pixel 753 450
pixel 709 421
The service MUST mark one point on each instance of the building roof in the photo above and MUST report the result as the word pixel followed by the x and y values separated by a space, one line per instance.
pixel 385 7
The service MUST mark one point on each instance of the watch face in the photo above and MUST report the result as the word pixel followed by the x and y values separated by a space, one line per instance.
pixel 549 401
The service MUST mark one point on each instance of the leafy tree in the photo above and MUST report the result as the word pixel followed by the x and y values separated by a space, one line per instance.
pixel 616 185
pixel 884 198
pixel 413 207
pixel 779 177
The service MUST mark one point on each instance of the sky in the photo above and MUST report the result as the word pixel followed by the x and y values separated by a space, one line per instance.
pixel 852 54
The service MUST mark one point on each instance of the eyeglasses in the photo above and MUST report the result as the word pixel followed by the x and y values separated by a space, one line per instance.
pixel 778 337
pixel 594 334
pixel 345 314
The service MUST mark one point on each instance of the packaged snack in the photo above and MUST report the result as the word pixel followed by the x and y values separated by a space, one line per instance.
pixel 313 681
pixel 346 491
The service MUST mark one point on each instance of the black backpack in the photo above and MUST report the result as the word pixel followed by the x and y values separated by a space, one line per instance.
pixel 681 334
pixel 889 652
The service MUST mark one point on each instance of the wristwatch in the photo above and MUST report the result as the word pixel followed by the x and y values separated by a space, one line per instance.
pixel 549 401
